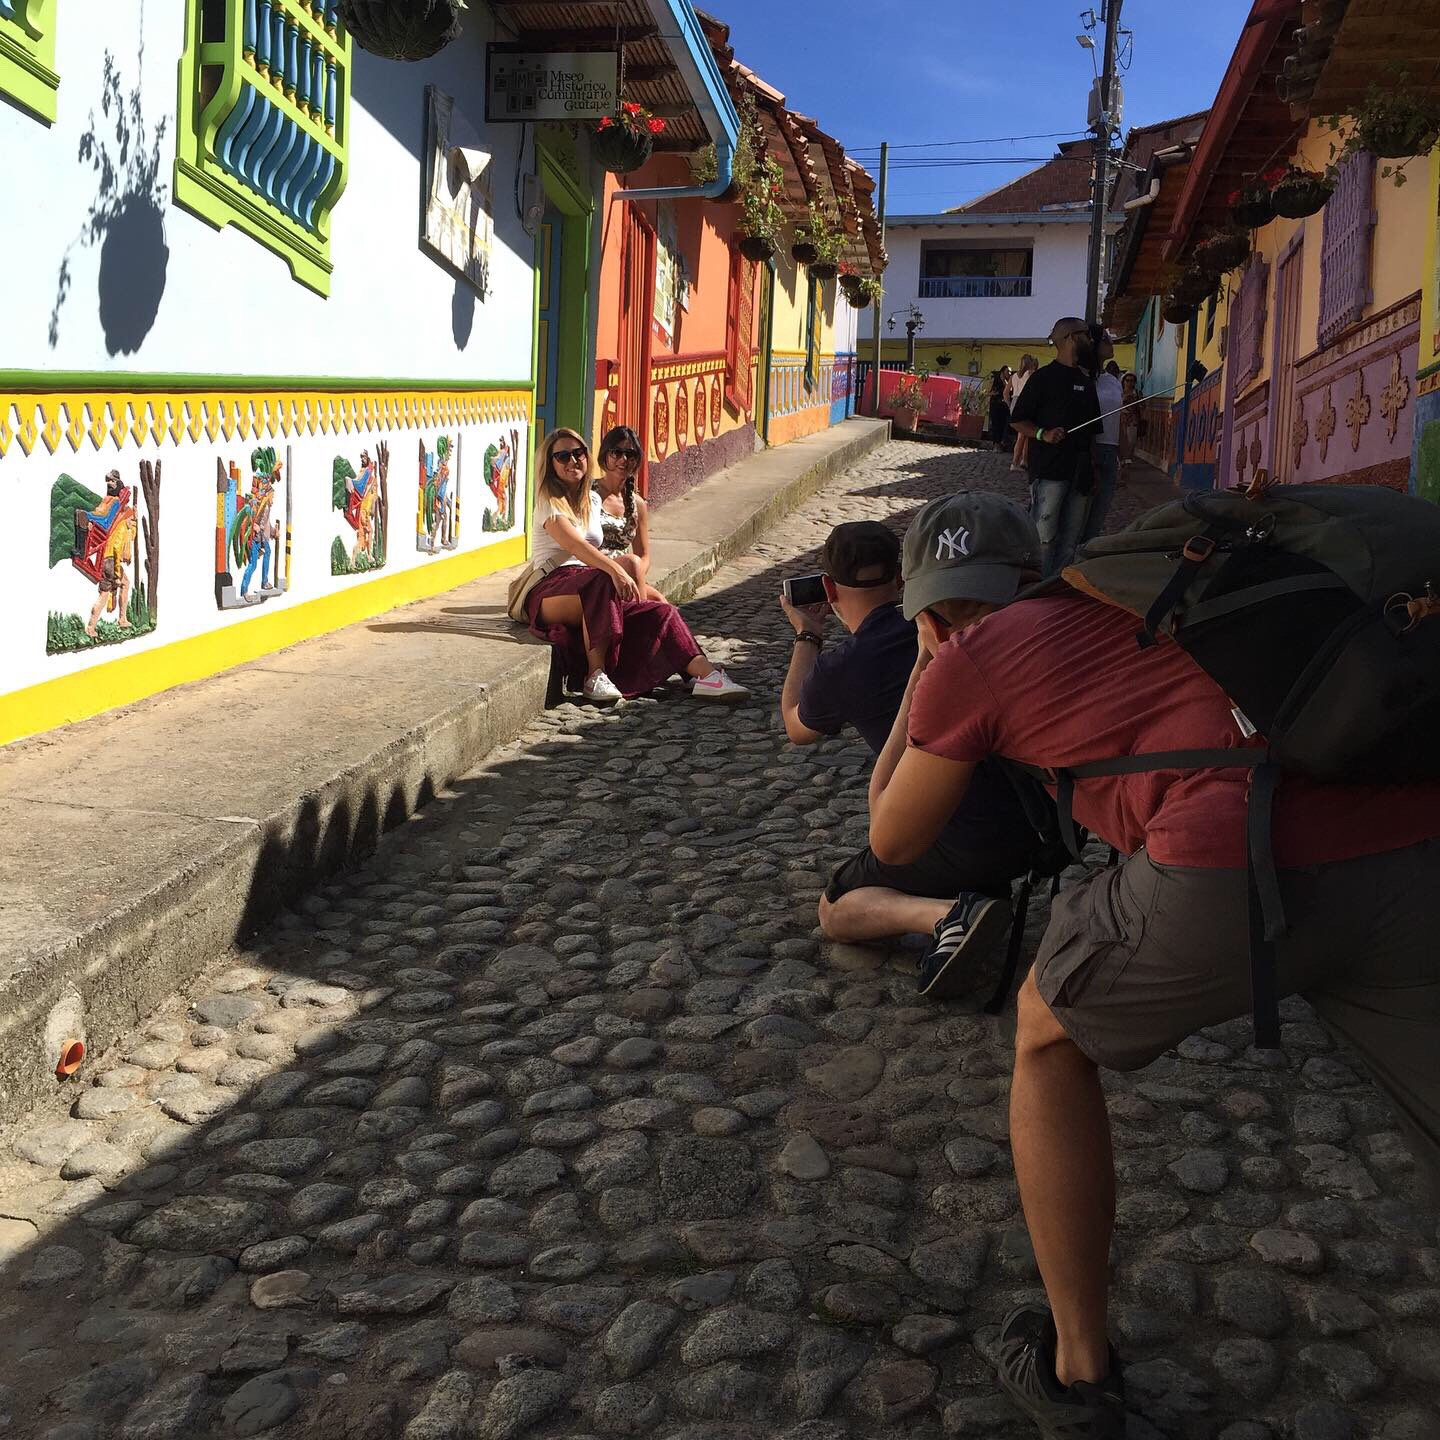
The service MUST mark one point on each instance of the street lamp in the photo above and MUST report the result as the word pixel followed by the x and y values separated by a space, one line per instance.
pixel 914 323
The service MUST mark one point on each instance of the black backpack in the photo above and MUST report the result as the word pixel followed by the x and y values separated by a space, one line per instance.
pixel 1316 608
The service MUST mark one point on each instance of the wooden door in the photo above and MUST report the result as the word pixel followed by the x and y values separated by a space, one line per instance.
pixel 1282 368
pixel 637 302
pixel 548 321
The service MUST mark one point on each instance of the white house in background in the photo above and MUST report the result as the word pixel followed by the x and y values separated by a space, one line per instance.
pixel 993 276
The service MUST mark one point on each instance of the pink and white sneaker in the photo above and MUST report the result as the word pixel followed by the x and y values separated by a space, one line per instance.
pixel 717 685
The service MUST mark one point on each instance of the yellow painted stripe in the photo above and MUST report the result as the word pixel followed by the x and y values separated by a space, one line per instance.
pixel 129 678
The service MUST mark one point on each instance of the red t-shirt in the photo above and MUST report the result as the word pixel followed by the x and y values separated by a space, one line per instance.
pixel 1060 680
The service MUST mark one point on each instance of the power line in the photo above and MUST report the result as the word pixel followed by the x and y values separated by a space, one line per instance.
pixel 993 140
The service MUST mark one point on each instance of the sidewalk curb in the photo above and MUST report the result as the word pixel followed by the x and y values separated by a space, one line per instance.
pixel 157 941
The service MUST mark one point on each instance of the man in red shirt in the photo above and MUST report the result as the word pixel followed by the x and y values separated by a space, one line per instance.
pixel 1141 955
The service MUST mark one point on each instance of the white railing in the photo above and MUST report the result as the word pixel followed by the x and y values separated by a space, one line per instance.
pixel 975 287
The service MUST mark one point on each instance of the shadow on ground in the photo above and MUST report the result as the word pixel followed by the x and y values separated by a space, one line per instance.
pixel 550 1114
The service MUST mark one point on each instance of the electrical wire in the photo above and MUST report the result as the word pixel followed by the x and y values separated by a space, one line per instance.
pixel 943 144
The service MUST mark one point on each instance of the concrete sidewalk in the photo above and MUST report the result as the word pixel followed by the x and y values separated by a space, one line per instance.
pixel 223 800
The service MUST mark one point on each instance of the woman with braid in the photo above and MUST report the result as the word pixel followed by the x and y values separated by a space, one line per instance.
pixel 624 515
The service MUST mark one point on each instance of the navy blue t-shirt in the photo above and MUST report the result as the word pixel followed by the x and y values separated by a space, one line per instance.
pixel 861 682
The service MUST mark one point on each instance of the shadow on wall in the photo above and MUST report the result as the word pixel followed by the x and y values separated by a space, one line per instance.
pixel 126 218
pixel 462 313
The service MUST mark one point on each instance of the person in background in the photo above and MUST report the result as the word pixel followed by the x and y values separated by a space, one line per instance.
pixel 999 419
pixel 624 514
pixel 612 642
pixel 1105 450
pixel 1132 425
pixel 1020 456
pixel 1059 399
pixel 958 890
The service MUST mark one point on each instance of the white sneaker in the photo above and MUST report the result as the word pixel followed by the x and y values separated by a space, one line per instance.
pixel 717 685
pixel 600 689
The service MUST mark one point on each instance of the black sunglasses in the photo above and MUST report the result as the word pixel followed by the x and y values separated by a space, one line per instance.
pixel 626 454
pixel 566 456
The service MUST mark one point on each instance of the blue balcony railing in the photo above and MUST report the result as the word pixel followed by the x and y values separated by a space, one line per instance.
pixel 974 287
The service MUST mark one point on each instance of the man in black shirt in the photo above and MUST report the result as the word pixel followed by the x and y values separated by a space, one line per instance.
pixel 1053 409
pixel 863 681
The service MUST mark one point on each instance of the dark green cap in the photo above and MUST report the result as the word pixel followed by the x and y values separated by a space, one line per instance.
pixel 973 545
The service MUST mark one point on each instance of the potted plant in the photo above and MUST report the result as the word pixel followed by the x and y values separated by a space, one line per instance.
pixel 861 291
pixel 1252 206
pixel 1395 123
pixel 402 29
pixel 705 164
pixel 761 218
pixel 974 410
pixel 622 143
pixel 1221 252
pixel 908 399
pixel 1300 192
pixel 819 242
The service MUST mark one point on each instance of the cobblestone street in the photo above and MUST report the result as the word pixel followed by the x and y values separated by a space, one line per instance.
pixel 559 1118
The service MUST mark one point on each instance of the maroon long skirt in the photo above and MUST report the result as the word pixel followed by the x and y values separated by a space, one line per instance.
pixel 643 641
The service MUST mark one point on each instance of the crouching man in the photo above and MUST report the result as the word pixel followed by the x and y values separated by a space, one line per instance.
pixel 1139 956
pixel 956 888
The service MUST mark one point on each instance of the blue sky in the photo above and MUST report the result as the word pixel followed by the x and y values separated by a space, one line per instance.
pixel 911 71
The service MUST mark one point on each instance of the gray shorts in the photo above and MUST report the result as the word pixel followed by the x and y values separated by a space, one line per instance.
pixel 1139 956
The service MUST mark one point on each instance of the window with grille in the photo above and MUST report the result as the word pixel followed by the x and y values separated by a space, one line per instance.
pixel 1248 323
pixel 264 115
pixel 1345 249
pixel 27 54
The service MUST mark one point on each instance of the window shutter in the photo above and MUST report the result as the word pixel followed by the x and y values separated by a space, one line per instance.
pixel 739 320
pixel 1249 323
pixel 1345 251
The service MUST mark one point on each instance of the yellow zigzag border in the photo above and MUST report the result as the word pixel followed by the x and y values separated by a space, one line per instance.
pixel 115 420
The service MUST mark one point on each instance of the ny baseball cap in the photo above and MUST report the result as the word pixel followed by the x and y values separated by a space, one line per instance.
pixel 967 546
pixel 858 546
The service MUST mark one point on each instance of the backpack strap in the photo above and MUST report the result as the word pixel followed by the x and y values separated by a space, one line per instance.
pixel 1197 550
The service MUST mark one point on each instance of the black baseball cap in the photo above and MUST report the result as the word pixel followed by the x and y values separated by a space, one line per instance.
pixel 973 545
pixel 857 546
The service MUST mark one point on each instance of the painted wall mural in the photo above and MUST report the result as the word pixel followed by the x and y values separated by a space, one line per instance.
pixel 279 500
pixel 437 518
pixel 97 537
pixel 362 496
pixel 501 469
pixel 252 529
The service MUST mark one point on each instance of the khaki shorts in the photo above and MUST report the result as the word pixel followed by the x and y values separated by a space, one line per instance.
pixel 1139 956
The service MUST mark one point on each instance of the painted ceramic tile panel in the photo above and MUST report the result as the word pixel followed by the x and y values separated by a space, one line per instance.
pixel 116 577
pixel 360 491
pixel 437 518
pixel 252 529
pixel 501 470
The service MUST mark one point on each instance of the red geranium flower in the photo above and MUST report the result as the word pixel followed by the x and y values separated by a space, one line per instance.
pixel 1235 197
pixel 1275 174
pixel 655 124
pixel 630 107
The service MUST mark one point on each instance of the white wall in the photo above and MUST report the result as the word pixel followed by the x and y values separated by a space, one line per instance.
pixel 1057 286
pixel 229 305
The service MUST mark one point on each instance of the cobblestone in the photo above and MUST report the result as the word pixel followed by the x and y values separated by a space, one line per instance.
pixel 558 1117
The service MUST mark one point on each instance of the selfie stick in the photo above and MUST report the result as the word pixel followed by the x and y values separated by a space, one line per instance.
pixel 1128 405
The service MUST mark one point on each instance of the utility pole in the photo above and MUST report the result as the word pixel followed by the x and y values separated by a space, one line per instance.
pixel 1101 128
pixel 878 304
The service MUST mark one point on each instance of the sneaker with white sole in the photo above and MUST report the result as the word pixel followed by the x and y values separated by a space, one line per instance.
pixel 976 923
pixel 600 689
pixel 717 685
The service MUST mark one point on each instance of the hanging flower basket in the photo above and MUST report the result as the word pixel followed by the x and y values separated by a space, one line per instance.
pixel 1175 311
pixel 824 269
pixel 1192 287
pixel 1222 252
pixel 623 142
pixel 402 29
pixel 757 247
pixel 802 252
pixel 1299 193
pixel 1252 207
pixel 1394 121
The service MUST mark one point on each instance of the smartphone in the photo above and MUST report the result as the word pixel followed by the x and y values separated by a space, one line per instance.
pixel 806 590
